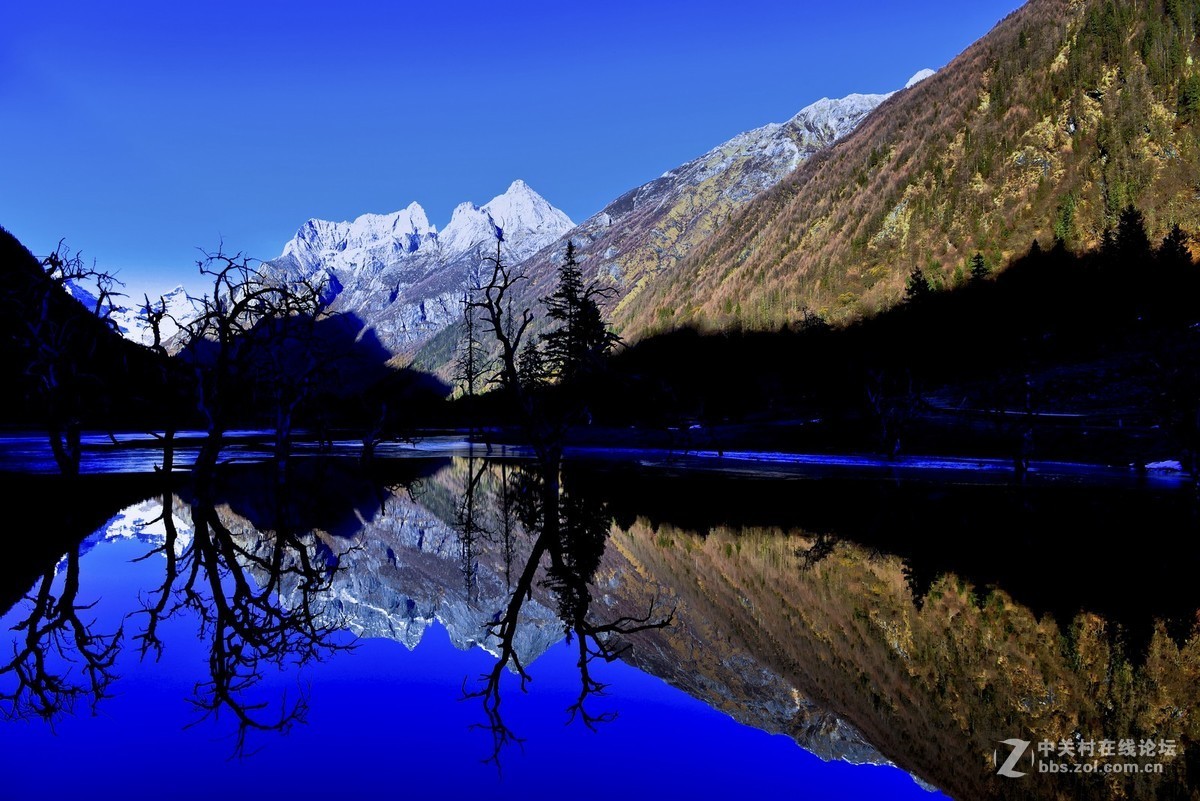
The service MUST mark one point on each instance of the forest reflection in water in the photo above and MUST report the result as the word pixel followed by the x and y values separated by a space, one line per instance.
pixel 816 632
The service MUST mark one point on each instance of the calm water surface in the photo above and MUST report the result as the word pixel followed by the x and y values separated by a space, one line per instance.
pixel 446 627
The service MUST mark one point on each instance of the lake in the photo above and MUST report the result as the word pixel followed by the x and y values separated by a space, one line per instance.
pixel 449 624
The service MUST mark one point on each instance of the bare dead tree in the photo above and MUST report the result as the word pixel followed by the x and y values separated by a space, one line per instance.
pixel 60 351
pixel 572 544
pixel 161 608
pixel 494 302
pixel 261 599
pixel 251 625
pixel 156 314
pixel 236 321
pixel 470 364
pixel 544 428
pixel 290 361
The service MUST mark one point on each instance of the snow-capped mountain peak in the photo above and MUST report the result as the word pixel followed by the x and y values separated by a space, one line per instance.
pixel 403 275
pixel 408 223
pixel 469 226
pixel 918 77
pixel 129 314
pixel 522 211
pixel 836 117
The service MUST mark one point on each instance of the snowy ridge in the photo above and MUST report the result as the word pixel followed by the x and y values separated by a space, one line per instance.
pixel 647 231
pixel 400 275
pixel 525 218
pixel 131 321
pixel 834 118
pixel 920 76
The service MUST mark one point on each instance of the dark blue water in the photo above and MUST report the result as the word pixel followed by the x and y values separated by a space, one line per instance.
pixel 751 625
pixel 380 719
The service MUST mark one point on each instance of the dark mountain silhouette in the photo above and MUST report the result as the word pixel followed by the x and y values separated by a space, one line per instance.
pixel 63 361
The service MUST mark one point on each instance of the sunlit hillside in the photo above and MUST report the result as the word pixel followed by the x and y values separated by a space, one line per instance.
pixel 1067 112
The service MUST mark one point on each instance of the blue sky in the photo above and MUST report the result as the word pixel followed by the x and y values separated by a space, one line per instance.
pixel 141 131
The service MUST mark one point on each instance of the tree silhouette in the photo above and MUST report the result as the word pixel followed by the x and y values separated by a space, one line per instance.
pixel 570 534
pixel 979 268
pixel 544 427
pixel 60 346
pixel 580 338
pixel 494 302
pixel 40 680
pixel 531 365
pixel 470 364
pixel 1132 242
pixel 918 288
pixel 171 377
pixel 1173 252
pixel 261 599
pixel 250 324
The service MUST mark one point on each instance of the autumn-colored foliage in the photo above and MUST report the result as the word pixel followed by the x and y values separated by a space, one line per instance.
pixel 1067 112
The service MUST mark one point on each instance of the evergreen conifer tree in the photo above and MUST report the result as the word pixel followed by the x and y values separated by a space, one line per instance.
pixel 1173 253
pixel 918 287
pixel 580 338
pixel 979 268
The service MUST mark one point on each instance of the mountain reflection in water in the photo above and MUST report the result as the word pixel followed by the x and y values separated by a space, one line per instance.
pixel 856 655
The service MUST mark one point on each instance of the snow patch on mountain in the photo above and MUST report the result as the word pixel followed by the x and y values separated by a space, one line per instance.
pixel 918 77
pixel 831 119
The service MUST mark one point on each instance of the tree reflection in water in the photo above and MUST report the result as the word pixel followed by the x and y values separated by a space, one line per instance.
pixel 57 635
pixel 250 559
pixel 259 594
pixel 855 653
pixel 568 533
pixel 261 599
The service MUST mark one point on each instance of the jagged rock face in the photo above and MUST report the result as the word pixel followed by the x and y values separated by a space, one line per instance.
pixel 400 275
pixel 403 571
pixel 650 229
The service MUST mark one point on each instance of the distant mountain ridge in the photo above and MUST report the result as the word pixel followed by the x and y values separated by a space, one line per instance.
pixel 131 321
pixel 404 278
pixel 650 229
